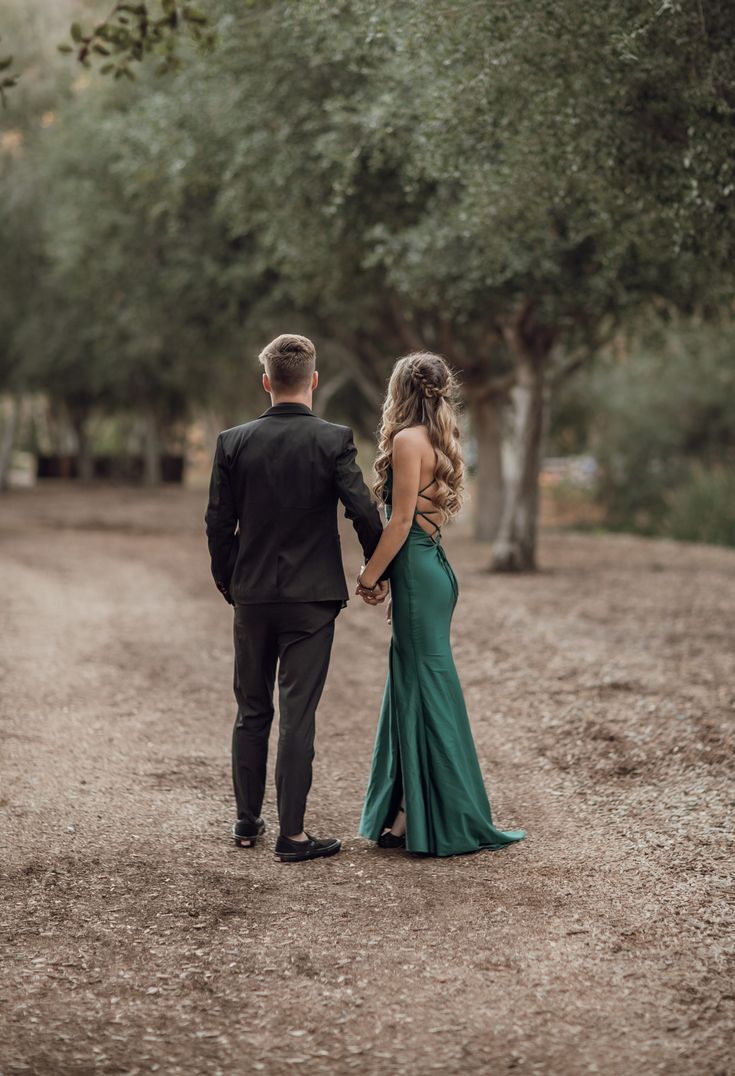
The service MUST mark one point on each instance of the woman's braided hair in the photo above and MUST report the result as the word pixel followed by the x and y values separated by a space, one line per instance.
pixel 428 380
pixel 423 392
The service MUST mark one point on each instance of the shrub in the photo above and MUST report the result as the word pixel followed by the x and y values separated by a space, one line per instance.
pixel 703 508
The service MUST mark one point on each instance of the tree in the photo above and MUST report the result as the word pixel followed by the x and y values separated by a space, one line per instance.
pixel 569 187
pixel 507 185
pixel 318 187
pixel 21 267
pixel 659 414
pixel 23 260
pixel 149 284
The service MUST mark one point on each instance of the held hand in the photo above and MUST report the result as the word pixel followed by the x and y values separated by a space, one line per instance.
pixel 369 599
pixel 381 592
pixel 371 595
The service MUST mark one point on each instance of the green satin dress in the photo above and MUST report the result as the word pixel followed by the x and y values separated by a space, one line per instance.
pixel 424 752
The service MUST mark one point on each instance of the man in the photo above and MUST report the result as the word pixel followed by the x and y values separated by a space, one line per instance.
pixel 275 549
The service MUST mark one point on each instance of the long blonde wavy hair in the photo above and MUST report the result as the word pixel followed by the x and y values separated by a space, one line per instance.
pixel 422 391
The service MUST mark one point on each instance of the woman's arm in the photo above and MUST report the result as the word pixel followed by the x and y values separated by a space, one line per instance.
pixel 407 451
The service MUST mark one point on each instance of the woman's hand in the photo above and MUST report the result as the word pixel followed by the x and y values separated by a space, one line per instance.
pixel 371 595
pixel 375 596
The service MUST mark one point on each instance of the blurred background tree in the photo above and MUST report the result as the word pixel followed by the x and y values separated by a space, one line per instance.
pixel 512 186
pixel 658 412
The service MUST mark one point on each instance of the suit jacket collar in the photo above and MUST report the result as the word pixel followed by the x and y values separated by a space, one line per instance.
pixel 287 409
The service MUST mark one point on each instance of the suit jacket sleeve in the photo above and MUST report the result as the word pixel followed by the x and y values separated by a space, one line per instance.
pixel 221 522
pixel 355 496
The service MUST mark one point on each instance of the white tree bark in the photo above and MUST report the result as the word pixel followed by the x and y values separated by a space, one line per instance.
pixel 515 545
pixel 486 415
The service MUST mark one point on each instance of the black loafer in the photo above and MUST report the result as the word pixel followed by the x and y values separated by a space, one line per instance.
pixel 245 834
pixel 298 851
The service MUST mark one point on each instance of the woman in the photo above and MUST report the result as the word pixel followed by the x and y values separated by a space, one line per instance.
pixel 426 791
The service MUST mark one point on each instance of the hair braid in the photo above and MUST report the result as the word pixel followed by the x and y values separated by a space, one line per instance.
pixel 428 387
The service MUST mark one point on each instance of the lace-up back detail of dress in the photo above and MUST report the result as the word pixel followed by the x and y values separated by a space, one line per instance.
pixel 423 510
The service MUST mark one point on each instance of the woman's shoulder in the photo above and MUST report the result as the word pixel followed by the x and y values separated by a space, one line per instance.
pixel 411 437
pixel 413 442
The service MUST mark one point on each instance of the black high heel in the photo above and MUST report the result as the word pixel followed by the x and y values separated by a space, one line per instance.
pixel 390 839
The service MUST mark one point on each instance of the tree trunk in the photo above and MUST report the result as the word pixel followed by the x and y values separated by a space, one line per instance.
pixel 152 474
pixel 486 416
pixel 515 546
pixel 85 461
pixel 85 464
pixel 7 440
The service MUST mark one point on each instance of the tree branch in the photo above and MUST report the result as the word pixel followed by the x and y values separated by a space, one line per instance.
pixel 494 388
pixel 407 332
pixel 328 389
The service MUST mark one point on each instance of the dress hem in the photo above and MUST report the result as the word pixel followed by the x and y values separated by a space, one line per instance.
pixel 454 851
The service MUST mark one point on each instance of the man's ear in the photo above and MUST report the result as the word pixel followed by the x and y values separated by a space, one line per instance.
pixel 267 384
pixel 314 380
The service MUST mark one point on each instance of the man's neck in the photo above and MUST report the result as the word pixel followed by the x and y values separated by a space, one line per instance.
pixel 304 399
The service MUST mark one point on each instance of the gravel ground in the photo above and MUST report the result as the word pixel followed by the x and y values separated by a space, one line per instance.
pixel 138 939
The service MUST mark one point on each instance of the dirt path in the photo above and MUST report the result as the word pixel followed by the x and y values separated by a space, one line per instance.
pixel 138 940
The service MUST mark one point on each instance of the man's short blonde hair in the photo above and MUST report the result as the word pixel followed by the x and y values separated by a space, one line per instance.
pixel 289 361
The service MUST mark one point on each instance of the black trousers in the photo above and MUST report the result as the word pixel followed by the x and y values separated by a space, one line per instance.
pixel 297 638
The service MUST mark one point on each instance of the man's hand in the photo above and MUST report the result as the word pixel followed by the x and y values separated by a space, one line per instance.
pixel 225 592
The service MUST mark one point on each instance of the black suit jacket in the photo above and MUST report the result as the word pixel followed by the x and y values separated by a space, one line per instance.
pixel 272 513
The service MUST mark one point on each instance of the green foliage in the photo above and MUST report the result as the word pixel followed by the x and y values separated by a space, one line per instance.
pixel 117 291
pixel 145 276
pixel 133 31
pixel 424 170
pixel 661 421
pixel 7 78
pixel 702 508
pixel 380 176
pixel 21 258
pixel 44 79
